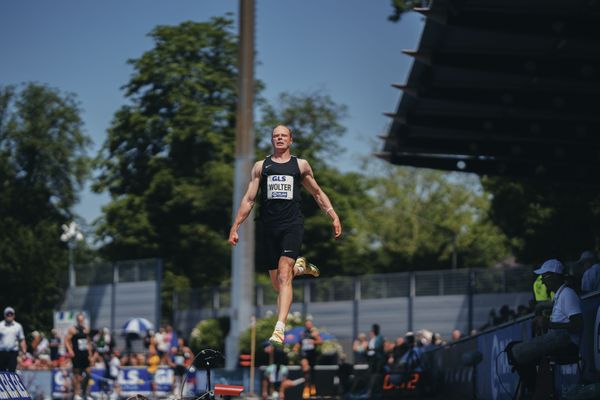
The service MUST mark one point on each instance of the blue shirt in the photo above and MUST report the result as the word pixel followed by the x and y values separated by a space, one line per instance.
pixel 591 279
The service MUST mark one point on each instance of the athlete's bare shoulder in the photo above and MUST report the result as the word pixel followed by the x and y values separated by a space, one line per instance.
pixel 257 168
pixel 304 167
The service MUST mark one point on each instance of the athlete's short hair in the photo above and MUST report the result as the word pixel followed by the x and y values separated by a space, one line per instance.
pixel 283 126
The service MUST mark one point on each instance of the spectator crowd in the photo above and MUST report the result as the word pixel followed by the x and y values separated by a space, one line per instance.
pixel 39 351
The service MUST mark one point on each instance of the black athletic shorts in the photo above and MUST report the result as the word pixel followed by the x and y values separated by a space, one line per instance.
pixel 80 363
pixel 180 370
pixel 281 241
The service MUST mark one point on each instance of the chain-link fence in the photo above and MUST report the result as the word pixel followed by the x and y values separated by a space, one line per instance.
pixel 380 286
pixel 121 271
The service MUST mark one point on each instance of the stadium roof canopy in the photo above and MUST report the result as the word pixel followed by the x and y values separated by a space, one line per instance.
pixel 503 87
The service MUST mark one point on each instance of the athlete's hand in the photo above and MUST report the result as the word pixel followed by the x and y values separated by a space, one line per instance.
pixel 337 228
pixel 233 237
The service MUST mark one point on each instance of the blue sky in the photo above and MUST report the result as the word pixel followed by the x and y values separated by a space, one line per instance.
pixel 348 49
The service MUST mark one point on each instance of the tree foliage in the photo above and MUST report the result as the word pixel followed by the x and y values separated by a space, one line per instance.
pixel 316 122
pixel 545 220
pixel 168 158
pixel 418 217
pixel 43 164
pixel 401 6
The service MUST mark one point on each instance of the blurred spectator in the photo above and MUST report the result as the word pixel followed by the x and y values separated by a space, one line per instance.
pixel 359 347
pixel 437 340
pixel 376 358
pixel 504 315
pixel 591 277
pixel 54 344
pixel 522 310
pixel 153 362
pixel 39 344
pixel 456 335
pixel 103 342
pixel 12 339
pixel 400 348
pixel 411 359
pixel 275 378
pixel 491 321
pixel 309 340
pixel 114 365
pixel 149 340
pixel 113 371
pixel 424 337
pixel 182 358
pixel 162 342
pixel 129 338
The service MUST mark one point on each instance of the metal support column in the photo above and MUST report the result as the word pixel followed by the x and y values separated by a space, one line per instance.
pixel 242 268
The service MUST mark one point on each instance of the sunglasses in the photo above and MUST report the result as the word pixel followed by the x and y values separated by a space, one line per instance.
pixel 8 314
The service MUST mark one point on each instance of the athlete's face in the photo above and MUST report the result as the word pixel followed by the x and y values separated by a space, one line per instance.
pixel 281 138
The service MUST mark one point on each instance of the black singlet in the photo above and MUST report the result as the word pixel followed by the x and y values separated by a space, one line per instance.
pixel 79 342
pixel 280 193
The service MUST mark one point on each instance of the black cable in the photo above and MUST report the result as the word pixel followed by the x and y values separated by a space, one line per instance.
pixel 209 355
pixel 512 396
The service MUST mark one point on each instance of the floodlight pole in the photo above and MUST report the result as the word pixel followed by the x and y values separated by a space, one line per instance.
pixel 242 260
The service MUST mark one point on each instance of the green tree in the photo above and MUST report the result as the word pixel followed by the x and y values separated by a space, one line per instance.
pixel 423 215
pixel 316 122
pixel 168 159
pixel 402 6
pixel 43 164
pixel 545 220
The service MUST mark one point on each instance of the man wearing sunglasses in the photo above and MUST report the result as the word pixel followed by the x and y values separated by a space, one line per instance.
pixel 563 327
pixel 11 338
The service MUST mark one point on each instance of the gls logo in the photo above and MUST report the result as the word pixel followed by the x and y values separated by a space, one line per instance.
pixel 278 178
pixel 129 377
pixel 163 376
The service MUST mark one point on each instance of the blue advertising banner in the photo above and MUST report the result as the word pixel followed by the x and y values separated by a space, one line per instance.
pixel 11 387
pixel 61 384
pixel 131 381
pixel 496 381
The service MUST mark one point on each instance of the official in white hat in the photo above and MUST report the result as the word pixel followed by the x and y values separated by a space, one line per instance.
pixel 11 340
pixel 563 327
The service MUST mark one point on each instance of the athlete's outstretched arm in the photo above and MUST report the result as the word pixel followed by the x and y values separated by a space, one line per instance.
pixel 247 203
pixel 309 182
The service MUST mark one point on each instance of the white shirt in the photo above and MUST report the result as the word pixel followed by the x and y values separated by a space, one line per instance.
pixel 566 304
pixel 591 279
pixel 10 336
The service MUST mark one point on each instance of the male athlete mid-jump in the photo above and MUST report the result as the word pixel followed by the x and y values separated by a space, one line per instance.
pixel 279 177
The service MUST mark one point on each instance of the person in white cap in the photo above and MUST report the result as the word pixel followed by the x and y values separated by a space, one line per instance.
pixel 563 327
pixel 591 277
pixel 11 340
